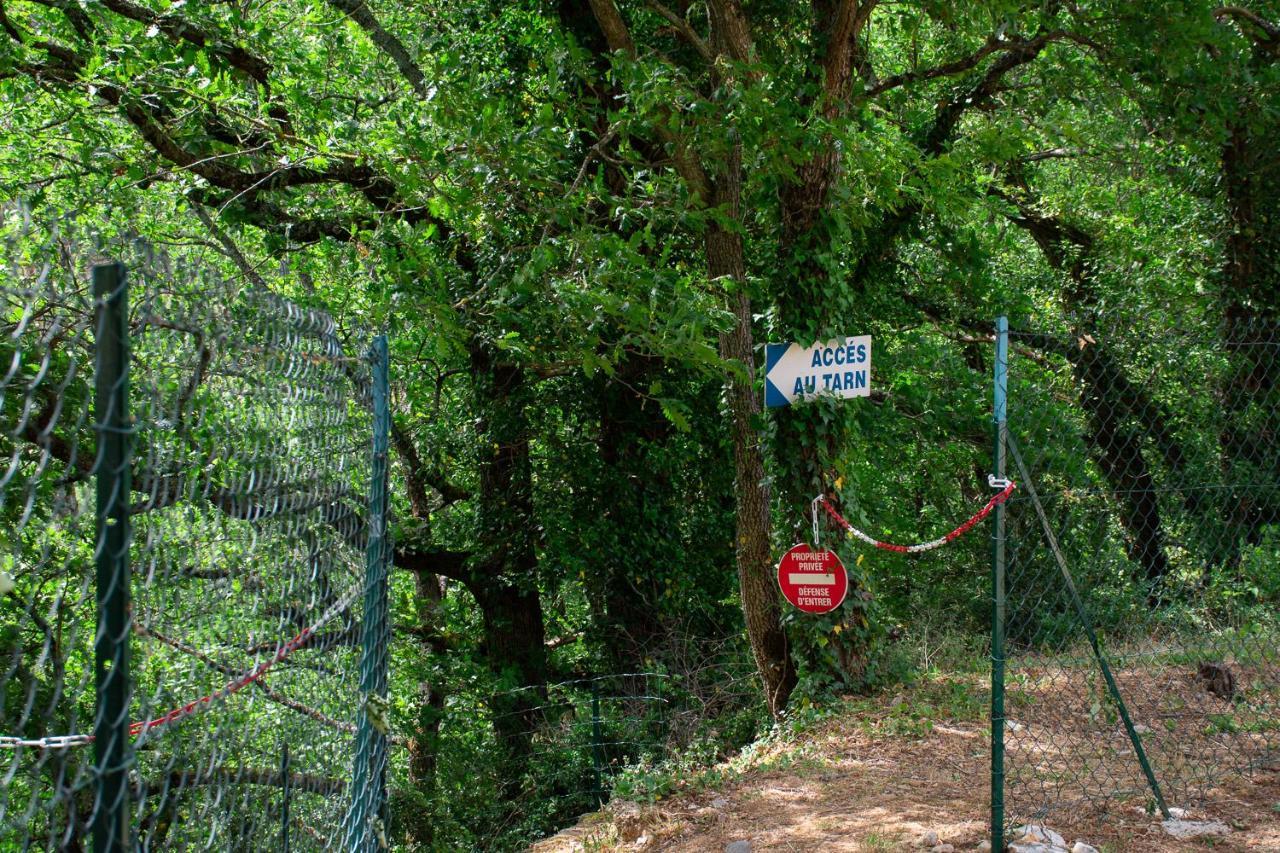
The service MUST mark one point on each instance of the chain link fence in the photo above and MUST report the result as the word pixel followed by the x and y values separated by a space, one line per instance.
pixel 1140 565
pixel 193 573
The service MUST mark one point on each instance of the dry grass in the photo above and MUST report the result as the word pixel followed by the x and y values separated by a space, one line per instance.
pixel 881 776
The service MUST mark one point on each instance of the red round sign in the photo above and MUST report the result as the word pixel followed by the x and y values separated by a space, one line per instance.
pixel 813 579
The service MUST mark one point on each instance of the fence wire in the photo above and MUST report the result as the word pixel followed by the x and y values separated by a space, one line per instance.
pixel 1147 517
pixel 532 760
pixel 237 661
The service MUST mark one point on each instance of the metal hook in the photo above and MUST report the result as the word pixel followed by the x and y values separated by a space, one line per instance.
pixel 813 508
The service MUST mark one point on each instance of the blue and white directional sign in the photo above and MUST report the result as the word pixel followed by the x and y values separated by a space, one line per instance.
pixel 841 367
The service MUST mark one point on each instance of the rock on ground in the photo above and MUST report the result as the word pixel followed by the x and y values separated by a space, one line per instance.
pixel 1036 839
pixel 738 847
pixel 1186 829
pixel 1033 833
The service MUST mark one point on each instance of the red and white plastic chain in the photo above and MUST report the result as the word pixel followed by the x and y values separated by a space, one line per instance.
pixel 1006 488
pixel 137 728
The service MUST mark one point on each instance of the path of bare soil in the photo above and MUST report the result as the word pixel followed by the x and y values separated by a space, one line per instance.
pixel 880 777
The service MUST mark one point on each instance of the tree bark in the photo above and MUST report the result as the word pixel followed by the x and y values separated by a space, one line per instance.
pixel 1250 298
pixel 503 573
pixel 1114 407
pixel 634 500
pixel 760 607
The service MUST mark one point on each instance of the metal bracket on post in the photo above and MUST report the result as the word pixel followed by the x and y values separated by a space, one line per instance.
pixel 113 752
pixel 999 426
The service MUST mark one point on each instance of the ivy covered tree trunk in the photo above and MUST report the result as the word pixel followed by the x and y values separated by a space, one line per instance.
pixel 424 746
pixel 503 572
pixel 634 508
pixel 1250 297
pixel 760 605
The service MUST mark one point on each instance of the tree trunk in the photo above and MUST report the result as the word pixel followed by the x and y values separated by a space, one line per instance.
pixel 1113 405
pixel 515 648
pixel 1118 450
pixel 424 747
pixel 1250 296
pixel 760 606
pixel 503 573
pixel 632 500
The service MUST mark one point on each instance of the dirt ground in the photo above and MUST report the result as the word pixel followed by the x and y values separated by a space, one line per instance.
pixel 880 777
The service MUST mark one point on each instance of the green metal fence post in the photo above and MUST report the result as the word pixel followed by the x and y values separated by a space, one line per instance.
pixel 112 749
pixel 999 421
pixel 597 739
pixel 1086 622
pixel 367 818
pixel 284 797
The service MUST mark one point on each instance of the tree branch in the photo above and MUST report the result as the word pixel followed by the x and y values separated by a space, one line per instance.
pixel 450 564
pixel 179 29
pixel 1015 54
pixel 420 477
pixel 229 247
pixel 245 186
pixel 358 11
pixel 80 21
pixel 685 31
pixel 616 34
pixel 947 69
pixel 935 140
pixel 837 64
pixel 684 159
pixel 1272 31
pixel 267 691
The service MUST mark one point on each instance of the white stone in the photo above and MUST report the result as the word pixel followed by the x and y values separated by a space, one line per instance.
pixel 1013 725
pixel 1178 813
pixel 1039 834
pixel 641 842
pixel 738 847
pixel 1035 847
pixel 1081 847
pixel 929 839
pixel 1187 829
pixel 984 846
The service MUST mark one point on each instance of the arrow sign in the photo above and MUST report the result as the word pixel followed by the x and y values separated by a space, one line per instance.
pixel 839 367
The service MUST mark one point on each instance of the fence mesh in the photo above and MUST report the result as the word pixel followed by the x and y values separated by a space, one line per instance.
pixel 236 666
pixel 583 741
pixel 1143 568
